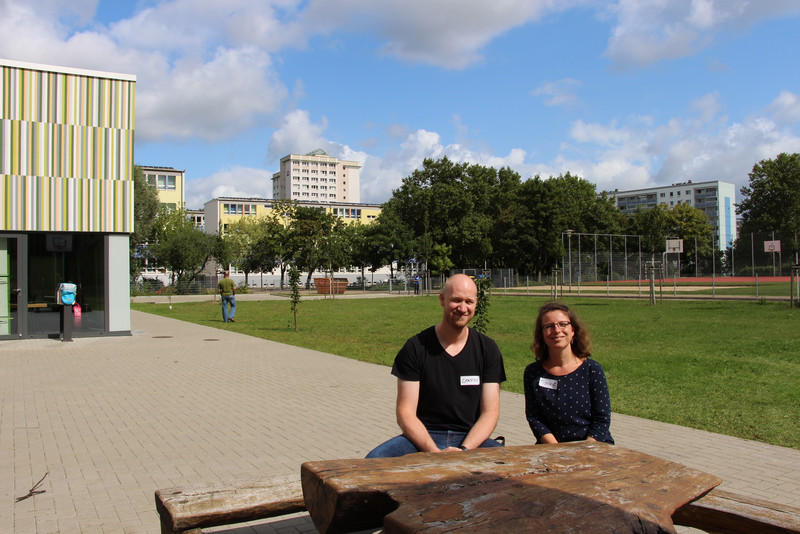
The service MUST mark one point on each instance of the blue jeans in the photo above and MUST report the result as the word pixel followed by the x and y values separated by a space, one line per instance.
pixel 401 445
pixel 230 299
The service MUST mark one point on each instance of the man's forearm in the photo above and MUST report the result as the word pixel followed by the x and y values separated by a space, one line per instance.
pixel 416 432
pixel 480 431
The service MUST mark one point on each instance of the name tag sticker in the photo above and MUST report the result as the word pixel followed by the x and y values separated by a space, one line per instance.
pixel 471 380
pixel 548 383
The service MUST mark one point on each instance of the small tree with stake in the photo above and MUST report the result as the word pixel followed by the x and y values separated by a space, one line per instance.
pixel 294 285
pixel 483 283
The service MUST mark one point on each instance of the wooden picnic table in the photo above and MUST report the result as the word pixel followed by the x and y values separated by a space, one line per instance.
pixel 570 487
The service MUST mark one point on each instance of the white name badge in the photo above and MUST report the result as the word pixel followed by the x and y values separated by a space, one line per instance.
pixel 471 380
pixel 548 383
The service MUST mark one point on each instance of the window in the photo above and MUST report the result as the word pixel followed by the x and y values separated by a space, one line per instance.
pixel 239 209
pixel 162 182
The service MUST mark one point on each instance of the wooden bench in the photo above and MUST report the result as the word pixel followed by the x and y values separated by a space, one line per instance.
pixel 191 508
pixel 720 511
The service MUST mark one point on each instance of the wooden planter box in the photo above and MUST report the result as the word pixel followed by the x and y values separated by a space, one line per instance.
pixel 323 286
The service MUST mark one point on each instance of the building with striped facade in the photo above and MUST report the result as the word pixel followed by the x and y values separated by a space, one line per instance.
pixel 66 206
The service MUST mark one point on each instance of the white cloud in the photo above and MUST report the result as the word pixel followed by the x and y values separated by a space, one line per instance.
pixel 786 108
pixel 448 33
pixel 646 31
pixel 703 145
pixel 560 92
pixel 236 181
pixel 212 100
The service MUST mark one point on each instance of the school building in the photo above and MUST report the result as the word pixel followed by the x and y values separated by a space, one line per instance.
pixel 66 180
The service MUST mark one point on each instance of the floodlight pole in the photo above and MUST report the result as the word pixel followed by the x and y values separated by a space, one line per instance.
pixel 713 268
pixel 569 241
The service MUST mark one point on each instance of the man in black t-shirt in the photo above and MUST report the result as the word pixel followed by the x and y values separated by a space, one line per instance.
pixel 448 381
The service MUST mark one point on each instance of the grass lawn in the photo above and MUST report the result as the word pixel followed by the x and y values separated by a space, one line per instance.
pixel 726 367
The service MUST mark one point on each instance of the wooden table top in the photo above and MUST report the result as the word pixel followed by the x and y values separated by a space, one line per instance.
pixel 570 487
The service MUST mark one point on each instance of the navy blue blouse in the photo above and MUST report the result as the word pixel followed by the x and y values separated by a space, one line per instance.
pixel 571 407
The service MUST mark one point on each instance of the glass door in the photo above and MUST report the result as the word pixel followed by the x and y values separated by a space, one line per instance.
pixel 13 299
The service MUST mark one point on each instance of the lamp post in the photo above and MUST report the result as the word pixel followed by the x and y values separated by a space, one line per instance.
pixel 569 256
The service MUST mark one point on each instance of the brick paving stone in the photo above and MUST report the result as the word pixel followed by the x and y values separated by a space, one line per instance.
pixel 113 419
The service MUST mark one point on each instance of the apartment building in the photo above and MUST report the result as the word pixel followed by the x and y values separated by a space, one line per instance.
pixel 317 177
pixel 169 183
pixel 66 182
pixel 716 199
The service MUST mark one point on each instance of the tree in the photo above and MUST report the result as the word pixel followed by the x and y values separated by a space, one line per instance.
pixel 483 283
pixel 388 239
pixel 308 239
pixel 294 285
pixel 252 243
pixel 225 249
pixel 145 209
pixel 179 246
pixel 549 208
pixel 449 202
pixel 771 203
pixel 360 246
pixel 653 225
pixel 692 226
pixel 440 260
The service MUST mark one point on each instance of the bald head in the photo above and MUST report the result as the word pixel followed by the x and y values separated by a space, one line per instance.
pixel 460 281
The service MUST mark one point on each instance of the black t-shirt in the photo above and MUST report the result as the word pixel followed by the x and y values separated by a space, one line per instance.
pixel 450 386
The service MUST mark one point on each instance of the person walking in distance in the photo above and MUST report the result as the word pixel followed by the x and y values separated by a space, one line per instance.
pixel 227 293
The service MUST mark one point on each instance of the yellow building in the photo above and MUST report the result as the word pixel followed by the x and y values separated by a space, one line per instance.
pixel 170 184
pixel 219 212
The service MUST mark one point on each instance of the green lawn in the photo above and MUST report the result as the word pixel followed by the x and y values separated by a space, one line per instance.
pixel 727 367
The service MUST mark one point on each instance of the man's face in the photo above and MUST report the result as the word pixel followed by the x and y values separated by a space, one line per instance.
pixel 459 303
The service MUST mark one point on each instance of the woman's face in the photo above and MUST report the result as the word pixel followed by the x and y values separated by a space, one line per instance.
pixel 557 335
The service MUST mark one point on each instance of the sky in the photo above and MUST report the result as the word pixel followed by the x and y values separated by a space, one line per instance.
pixel 626 94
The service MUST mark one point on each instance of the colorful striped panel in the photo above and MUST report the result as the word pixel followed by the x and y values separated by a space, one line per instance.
pixel 66 151
pixel 41 96
pixel 66 205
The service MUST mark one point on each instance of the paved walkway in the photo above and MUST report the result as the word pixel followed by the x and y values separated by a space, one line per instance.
pixel 110 420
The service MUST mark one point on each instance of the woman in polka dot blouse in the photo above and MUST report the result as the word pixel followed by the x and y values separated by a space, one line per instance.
pixel 566 395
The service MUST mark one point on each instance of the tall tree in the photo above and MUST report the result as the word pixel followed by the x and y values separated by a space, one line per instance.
pixel 450 203
pixel 550 208
pixel 654 227
pixel 145 209
pixel 309 239
pixel 771 203
pixel 254 243
pixel 388 239
pixel 179 246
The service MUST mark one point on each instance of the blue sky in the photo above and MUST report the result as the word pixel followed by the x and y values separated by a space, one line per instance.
pixel 626 94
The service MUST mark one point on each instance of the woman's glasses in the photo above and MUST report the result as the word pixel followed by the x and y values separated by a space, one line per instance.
pixel 562 325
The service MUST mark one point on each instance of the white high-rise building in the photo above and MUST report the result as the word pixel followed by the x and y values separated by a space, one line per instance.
pixel 317 177
pixel 716 199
